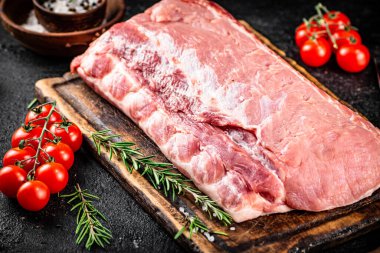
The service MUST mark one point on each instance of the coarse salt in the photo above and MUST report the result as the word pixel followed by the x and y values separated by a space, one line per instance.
pixel 32 24
pixel 67 7
pixel 209 237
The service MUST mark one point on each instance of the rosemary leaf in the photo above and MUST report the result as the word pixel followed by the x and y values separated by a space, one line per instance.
pixel 179 233
pixel 220 233
pixel 88 224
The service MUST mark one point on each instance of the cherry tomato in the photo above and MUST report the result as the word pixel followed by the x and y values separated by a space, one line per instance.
pixel 11 178
pixel 54 175
pixel 25 133
pixel 15 155
pixel 336 20
pixel 61 152
pixel 353 58
pixel 33 195
pixel 303 33
pixel 315 52
pixel 343 37
pixel 69 132
pixel 39 112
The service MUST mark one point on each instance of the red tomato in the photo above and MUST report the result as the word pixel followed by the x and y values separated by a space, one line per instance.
pixel 303 33
pixel 39 112
pixel 61 152
pixel 33 195
pixel 15 155
pixel 54 175
pixel 336 20
pixel 315 52
pixel 343 37
pixel 353 58
pixel 11 178
pixel 25 133
pixel 69 132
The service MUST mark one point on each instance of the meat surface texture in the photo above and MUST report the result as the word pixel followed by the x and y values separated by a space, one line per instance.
pixel 251 132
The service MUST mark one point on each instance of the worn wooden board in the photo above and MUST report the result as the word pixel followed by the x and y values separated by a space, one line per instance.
pixel 296 231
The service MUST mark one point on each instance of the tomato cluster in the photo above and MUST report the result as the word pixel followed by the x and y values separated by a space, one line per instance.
pixel 42 153
pixel 322 35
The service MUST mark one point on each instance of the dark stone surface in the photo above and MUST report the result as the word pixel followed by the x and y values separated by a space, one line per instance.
pixel 135 231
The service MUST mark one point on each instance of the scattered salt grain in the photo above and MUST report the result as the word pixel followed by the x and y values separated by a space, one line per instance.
pixel 204 208
pixel 214 214
pixel 232 228
pixel 136 244
pixel 181 209
pixel 209 237
pixel 32 24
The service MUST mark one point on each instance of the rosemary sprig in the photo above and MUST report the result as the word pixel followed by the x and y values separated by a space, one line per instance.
pixel 195 225
pixel 88 219
pixel 161 175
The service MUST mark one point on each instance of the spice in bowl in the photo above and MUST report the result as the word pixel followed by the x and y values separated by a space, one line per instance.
pixel 71 6
pixel 69 15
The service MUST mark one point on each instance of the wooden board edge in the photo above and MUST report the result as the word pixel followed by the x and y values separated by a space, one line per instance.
pixel 136 184
pixel 337 231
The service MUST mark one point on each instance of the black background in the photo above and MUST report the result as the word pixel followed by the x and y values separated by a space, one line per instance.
pixel 51 230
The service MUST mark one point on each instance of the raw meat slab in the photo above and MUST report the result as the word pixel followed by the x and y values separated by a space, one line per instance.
pixel 296 231
pixel 250 131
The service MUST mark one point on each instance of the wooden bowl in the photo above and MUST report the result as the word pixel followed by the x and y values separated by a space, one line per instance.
pixel 15 12
pixel 62 22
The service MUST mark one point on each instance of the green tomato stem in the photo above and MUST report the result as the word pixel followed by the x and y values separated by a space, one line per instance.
pixel 39 148
pixel 319 12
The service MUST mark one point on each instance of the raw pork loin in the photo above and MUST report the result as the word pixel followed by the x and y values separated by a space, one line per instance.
pixel 249 130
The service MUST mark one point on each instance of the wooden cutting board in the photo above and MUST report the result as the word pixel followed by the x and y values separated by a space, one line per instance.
pixel 296 231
